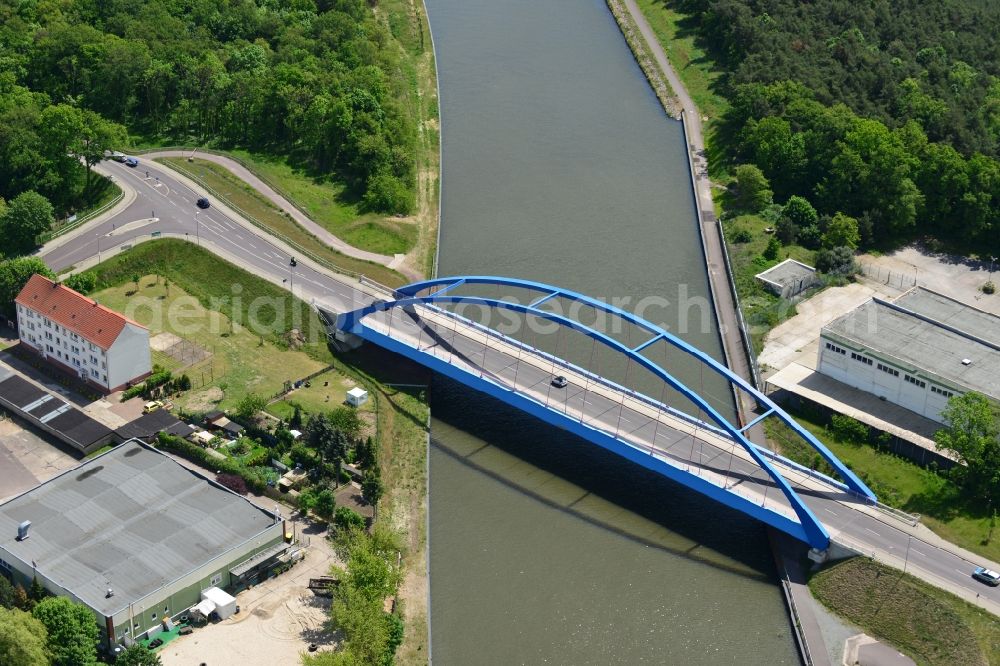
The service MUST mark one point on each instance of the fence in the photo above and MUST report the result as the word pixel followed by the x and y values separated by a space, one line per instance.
pixel 70 226
pixel 901 279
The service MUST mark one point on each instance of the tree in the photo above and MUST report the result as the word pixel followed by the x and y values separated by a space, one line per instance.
pixel 295 423
pixel 346 419
pixel 838 261
pixel 372 488
pixel 842 231
pixel 138 655
pixel 248 407
pixel 346 518
pixel 27 216
pixel 14 274
pixel 773 249
pixel 22 639
pixel 799 211
pixel 7 599
pixel 753 191
pixel 36 592
pixel 84 282
pixel 972 433
pixel 366 454
pixel 325 504
pixel 72 631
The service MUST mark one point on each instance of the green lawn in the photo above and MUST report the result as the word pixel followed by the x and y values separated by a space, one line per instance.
pixel 901 484
pixel 317 398
pixel 225 184
pixel 204 296
pixel 927 624
pixel 697 71
pixel 326 201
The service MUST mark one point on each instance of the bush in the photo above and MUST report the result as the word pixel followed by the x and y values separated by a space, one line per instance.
pixel 773 249
pixel 838 261
pixel 325 504
pixel 387 194
pixel 848 429
pixel 82 282
pixel 989 288
pixel 741 235
pixel 233 482
pixel 346 518
pixel 254 480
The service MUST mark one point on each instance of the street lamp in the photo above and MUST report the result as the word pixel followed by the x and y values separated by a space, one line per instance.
pixel 291 274
pixel 992 261
pixel 197 226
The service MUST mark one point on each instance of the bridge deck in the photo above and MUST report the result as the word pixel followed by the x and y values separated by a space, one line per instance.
pixel 635 420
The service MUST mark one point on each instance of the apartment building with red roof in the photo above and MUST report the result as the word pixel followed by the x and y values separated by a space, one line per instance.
pixel 79 335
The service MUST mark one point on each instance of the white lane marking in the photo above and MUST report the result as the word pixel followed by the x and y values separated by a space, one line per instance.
pixel 829 511
pixel 871 530
pixel 913 550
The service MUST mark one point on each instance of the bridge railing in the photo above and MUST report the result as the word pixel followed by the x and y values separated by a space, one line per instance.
pixel 651 402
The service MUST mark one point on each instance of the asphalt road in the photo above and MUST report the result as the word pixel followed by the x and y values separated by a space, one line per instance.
pixel 164 203
pixel 848 520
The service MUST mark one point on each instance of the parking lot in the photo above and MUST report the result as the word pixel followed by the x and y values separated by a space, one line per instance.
pixel 26 459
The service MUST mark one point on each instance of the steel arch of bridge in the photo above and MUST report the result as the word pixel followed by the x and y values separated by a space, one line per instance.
pixel 440 291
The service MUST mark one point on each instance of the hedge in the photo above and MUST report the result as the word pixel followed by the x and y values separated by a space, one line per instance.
pixel 254 480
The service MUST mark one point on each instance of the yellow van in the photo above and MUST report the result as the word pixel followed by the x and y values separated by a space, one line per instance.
pixel 151 406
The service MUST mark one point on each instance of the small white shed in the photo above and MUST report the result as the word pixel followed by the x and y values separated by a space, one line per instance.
pixel 225 604
pixel 357 396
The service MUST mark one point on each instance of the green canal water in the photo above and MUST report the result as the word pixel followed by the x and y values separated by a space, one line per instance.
pixel 558 165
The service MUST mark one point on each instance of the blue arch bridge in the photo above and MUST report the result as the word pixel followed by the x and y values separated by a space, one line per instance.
pixel 612 382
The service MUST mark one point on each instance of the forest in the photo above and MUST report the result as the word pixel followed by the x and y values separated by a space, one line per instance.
pixel 316 80
pixel 886 110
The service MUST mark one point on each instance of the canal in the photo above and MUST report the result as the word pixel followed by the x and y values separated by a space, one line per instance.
pixel 559 165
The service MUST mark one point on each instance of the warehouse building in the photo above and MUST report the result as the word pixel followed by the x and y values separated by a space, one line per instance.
pixel 916 351
pixel 138 538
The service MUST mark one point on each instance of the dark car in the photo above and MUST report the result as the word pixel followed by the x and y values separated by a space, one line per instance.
pixel 131 161
pixel 988 576
pixel 559 382
pixel 203 203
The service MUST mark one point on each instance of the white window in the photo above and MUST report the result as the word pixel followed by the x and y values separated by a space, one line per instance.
pixel 216 579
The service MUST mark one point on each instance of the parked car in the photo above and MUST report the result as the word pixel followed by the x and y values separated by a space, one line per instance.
pixel 559 382
pixel 151 406
pixel 203 203
pixel 131 161
pixel 988 576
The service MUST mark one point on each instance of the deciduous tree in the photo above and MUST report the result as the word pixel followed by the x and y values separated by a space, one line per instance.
pixel 972 433
pixel 22 639
pixel 72 631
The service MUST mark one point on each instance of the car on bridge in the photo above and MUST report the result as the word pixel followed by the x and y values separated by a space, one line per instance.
pixel 988 576
pixel 559 382
pixel 131 161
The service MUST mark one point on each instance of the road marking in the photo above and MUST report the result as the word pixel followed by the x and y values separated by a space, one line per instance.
pixel 912 550
pixel 871 530
pixel 829 511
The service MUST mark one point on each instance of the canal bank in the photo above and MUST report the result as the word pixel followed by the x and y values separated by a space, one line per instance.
pixel 559 166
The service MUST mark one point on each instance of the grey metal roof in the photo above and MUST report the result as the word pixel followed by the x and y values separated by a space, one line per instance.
pixel 788 271
pixel 953 313
pixel 916 341
pixel 131 519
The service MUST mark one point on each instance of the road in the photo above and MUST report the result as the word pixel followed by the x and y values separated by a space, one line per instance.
pixel 163 202
pixel 850 522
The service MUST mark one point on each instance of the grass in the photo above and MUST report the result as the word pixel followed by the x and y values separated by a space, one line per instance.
pixel 901 484
pixel 317 398
pixel 762 309
pixel 225 184
pixel 326 201
pixel 696 69
pixel 929 625
pixel 205 295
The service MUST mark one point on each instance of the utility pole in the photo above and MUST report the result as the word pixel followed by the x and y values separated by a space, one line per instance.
pixel 197 226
